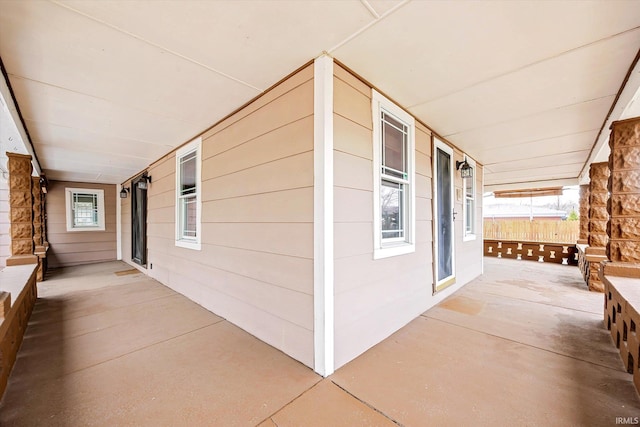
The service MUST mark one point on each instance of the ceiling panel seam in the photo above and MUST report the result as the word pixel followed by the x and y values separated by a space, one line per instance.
pixel 529 157
pixel 120 154
pixel 499 147
pixel 36 122
pixel 369 25
pixel 100 161
pixel 523 67
pixel 370 9
pixel 172 52
pixel 537 113
pixel 554 178
pixel 537 167
pixel 84 167
pixel 164 116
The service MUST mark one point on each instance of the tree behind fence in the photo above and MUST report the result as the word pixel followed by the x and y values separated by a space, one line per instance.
pixel 532 231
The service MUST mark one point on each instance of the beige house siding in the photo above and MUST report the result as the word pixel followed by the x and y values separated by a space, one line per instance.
pixel 469 254
pixel 79 247
pixel 5 235
pixel 255 267
pixel 374 298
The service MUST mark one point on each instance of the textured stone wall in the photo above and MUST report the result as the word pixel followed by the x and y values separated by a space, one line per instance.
pixel 598 197
pixel 584 213
pixel 20 204
pixel 38 212
pixel 624 186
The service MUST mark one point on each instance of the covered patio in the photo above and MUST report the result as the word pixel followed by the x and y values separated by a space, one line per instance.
pixel 522 344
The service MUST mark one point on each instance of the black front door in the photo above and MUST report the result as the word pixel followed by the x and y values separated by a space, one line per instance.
pixel 139 221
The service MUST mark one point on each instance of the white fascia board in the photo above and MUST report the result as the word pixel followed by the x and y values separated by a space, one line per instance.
pixel 11 112
pixel 600 151
pixel 323 283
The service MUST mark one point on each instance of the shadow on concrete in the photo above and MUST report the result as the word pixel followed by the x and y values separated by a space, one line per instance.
pixel 39 365
pixel 598 369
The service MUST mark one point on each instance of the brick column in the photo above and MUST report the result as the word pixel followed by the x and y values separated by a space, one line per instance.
pixel 584 214
pixel 20 210
pixel 598 219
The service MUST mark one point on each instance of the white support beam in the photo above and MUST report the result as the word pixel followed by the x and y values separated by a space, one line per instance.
pixel 323 316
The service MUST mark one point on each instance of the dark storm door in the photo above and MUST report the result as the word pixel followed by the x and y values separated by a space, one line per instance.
pixel 444 264
pixel 139 222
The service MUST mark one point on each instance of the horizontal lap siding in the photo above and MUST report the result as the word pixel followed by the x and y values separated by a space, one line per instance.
pixel 373 298
pixel 256 264
pixel 79 247
pixel 469 253
pixel 5 236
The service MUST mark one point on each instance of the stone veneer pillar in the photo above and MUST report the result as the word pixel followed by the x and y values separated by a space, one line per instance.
pixel 20 210
pixel 583 238
pixel 39 239
pixel 37 211
pixel 598 197
pixel 598 219
pixel 624 186
pixel 621 273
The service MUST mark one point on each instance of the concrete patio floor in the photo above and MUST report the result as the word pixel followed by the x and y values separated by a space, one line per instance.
pixel 522 345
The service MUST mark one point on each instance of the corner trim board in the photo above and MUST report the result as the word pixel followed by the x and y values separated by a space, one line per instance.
pixel 118 223
pixel 323 278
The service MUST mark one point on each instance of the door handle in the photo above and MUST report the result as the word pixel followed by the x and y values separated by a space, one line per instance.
pixel 454 215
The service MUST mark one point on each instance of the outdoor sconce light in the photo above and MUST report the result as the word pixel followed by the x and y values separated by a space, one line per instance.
pixel 124 192
pixel 466 171
pixel 43 184
pixel 143 184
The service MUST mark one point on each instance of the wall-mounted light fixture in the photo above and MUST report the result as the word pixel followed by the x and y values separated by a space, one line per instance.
pixel 466 171
pixel 124 192
pixel 43 184
pixel 144 181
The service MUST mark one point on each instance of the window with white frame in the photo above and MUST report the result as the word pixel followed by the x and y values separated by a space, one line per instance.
pixel 84 209
pixel 188 200
pixel 394 192
pixel 469 206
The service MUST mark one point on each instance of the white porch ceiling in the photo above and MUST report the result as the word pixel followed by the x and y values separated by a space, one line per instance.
pixel 107 87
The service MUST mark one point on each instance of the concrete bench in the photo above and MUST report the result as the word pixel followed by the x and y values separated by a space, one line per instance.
pixel 18 294
pixel 622 318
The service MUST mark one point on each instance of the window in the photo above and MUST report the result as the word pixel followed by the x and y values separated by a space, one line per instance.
pixel 85 209
pixel 188 200
pixel 469 207
pixel 394 193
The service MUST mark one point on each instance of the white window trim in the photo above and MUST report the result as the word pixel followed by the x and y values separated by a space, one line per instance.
pixel 408 245
pixel 68 193
pixel 195 244
pixel 466 237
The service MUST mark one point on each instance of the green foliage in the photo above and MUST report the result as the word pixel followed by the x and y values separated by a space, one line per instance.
pixel 573 216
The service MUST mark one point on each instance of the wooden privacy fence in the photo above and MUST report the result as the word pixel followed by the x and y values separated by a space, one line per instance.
pixel 532 231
